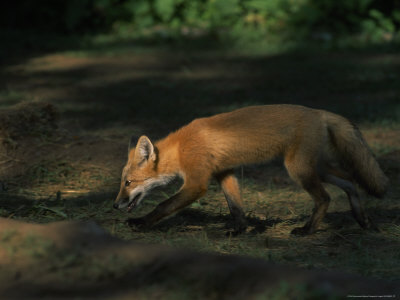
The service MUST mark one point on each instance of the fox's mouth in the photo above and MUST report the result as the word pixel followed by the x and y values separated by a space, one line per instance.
pixel 134 202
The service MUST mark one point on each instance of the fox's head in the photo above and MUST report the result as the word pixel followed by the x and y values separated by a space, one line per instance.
pixel 139 175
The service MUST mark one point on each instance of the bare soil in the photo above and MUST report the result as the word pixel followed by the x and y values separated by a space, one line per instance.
pixel 79 259
pixel 70 168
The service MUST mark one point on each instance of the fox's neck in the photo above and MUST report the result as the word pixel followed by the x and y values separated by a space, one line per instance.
pixel 168 162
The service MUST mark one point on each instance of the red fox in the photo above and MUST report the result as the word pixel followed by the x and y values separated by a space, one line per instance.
pixel 317 147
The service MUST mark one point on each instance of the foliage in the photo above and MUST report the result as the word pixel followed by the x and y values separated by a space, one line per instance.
pixel 322 19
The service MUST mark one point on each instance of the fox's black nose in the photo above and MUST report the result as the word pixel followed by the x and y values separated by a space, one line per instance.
pixel 115 205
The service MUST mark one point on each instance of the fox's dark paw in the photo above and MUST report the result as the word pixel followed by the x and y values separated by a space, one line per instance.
pixel 238 229
pixel 301 231
pixel 136 223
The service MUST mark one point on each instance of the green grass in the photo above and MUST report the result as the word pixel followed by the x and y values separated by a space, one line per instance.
pixel 108 92
pixel 339 245
pixel 11 97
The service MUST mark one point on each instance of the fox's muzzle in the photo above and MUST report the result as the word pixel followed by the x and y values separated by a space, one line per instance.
pixel 132 201
pixel 121 203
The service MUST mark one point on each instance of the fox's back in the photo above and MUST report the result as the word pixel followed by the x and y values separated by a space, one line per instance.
pixel 247 135
pixel 259 120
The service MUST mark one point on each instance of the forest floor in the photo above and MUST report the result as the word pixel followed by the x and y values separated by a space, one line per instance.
pixel 104 97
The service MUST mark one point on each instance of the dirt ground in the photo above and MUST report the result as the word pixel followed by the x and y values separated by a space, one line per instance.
pixel 71 171
pixel 79 259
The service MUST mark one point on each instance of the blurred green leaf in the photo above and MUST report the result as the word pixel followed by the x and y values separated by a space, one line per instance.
pixel 235 18
pixel 165 9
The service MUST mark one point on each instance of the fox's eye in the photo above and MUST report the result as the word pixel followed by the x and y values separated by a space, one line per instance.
pixel 128 182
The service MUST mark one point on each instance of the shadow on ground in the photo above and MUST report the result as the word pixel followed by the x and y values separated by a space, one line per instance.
pixel 159 91
pixel 105 96
pixel 78 259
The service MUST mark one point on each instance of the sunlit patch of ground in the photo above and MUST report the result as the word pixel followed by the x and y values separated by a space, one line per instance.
pixel 102 100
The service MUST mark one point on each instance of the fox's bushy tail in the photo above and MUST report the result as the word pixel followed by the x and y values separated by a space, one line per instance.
pixel 356 155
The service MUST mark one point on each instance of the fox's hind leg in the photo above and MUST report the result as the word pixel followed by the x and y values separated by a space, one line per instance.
pixel 354 199
pixel 230 187
pixel 303 171
pixel 321 199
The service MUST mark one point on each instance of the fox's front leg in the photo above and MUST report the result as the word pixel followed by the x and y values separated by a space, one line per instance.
pixel 231 189
pixel 187 195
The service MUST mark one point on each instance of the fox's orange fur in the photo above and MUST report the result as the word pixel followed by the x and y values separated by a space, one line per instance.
pixel 317 146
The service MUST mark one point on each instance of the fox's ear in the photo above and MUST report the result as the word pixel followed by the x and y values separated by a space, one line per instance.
pixel 132 143
pixel 144 150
